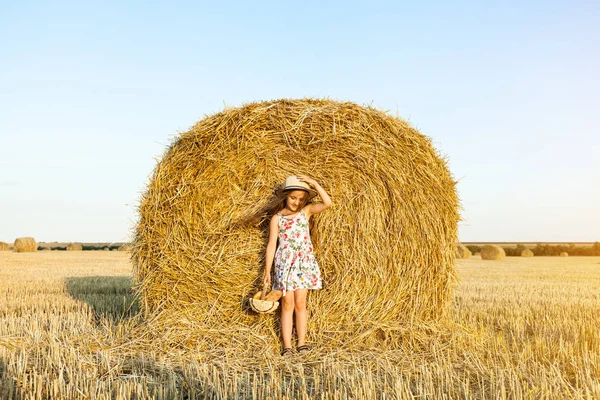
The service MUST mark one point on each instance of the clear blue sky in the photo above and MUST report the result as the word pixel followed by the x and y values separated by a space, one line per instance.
pixel 91 93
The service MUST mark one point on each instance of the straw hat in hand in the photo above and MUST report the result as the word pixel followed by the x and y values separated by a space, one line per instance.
pixel 267 304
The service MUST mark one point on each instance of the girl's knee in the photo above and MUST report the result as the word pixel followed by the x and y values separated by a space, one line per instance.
pixel 287 302
pixel 300 304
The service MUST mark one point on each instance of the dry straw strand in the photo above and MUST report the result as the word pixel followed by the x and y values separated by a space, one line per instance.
pixel 25 245
pixel 492 252
pixel 385 247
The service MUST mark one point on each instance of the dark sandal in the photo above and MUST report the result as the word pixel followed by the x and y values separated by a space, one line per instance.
pixel 287 352
pixel 303 349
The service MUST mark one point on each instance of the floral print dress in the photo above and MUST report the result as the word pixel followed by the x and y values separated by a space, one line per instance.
pixel 295 263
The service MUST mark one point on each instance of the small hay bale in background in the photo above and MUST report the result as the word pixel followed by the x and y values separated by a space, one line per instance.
pixel 461 251
pixel 47 249
pixel 492 252
pixel 385 248
pixel 4 246
pixel 124 247
pixel 25 245
pixel 564 254
pixel 527 253
pixel 106 249
pixel 74 247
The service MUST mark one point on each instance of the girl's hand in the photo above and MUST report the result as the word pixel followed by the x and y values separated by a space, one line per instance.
pixel 267 280
pixel 306 179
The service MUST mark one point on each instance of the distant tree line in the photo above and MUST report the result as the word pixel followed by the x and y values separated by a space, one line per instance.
pixel 548 250
pixel 85 247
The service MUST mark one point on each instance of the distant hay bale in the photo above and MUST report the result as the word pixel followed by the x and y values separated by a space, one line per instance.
pixel 461 251
pixel 47 249
pixel 25 245
pixel 74 247
pixel 124 247
pixel 527 253
pixel 4 246
pixel 106 249
pixel 564 254
pixel 492 252
pixel 385 247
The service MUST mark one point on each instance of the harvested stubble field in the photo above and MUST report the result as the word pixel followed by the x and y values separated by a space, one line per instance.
pixel 522 328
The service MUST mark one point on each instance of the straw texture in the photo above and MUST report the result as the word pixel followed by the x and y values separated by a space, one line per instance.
pixel 24 245
pixel 492 252
pixel 385 247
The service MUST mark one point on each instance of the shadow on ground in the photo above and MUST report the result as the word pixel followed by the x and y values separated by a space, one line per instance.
pixel 8 387
pixel 109 296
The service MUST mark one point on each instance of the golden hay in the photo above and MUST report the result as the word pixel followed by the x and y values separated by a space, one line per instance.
pixel 527 253
pixel 385 247
pixel 461 251
pixel 4 246
pixel 25 244
pixel 123 247
pixel 74 247
pixel 564 254
pixel 492 252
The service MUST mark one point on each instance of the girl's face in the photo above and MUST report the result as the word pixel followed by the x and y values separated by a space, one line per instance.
pixel 295 200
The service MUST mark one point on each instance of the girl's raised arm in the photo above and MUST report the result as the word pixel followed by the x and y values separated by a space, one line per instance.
pixel 316 208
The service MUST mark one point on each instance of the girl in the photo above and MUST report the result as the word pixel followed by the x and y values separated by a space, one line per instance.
pixel 296 269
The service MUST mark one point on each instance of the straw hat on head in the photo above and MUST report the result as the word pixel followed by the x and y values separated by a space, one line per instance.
pixel 293 183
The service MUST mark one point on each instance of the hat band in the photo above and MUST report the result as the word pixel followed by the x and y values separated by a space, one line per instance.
pixel 297 187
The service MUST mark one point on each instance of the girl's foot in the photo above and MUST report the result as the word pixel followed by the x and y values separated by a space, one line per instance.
pixel 287 352
pixel 303 349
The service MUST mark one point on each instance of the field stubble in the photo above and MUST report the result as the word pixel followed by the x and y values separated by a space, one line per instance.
pixel 521 328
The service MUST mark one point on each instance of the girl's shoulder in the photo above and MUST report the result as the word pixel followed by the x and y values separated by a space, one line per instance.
pixel 306 211
pixel 274 222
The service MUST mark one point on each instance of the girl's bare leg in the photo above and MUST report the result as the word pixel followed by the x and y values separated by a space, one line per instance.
pixel 287 311
pixel 300 309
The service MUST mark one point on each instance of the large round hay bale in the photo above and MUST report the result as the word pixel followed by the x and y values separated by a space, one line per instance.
pixel 564 254
pixel 4 246
pixel 74 247
pixel 492 252
pixel 527 253
pixel 385 247
pixel 24 245
pixel 461 251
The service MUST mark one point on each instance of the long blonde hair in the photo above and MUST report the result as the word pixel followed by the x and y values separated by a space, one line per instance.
pixel 275 204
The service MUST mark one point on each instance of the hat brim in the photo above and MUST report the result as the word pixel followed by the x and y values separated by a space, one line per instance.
pixel 311 193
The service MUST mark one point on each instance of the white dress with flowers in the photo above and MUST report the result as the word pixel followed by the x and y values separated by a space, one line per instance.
pixel 295 263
